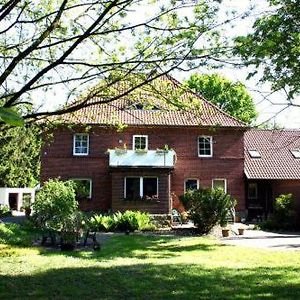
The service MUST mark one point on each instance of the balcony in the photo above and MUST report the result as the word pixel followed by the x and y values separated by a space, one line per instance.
pixel 149 158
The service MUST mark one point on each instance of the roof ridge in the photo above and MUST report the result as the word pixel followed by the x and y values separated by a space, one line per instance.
pixel 198 95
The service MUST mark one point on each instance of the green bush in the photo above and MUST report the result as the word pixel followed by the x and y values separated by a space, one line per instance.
pixel 208 207
pixel 16 235
pixel 4 211
pixel 129 220
pixel 55 207
pixel 284 215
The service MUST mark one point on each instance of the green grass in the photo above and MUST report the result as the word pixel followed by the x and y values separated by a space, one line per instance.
pixel 144 267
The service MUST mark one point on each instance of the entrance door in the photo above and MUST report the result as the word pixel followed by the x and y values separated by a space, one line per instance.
pixel 13 201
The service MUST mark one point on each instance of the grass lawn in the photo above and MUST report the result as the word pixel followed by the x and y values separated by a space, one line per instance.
pixel 144 267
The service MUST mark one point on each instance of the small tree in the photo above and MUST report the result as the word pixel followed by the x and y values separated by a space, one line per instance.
pixel 208 207
pixel 284 215
pixel 55 207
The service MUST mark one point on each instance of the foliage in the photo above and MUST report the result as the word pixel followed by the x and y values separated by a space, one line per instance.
pixel 15 234
pixel 55 207
pixel 82 188
pixel 129 220
pixel 208 207
pixel 4 210
pixel 232 97
pixel 67 45
pixel 274 46
pixel 284 215
pixel 20 149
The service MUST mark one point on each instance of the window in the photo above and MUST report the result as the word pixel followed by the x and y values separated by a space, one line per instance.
pixel 83 188
pixel 254 154
pixel 191 184
pixel 140 142
pixel 205 146
pixel 296 153
pixel 219 184
pixel 137 188
pixel 81 144
pixel 252 190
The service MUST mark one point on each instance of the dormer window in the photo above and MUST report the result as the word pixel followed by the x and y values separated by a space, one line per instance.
pixel 140 142
pixel 296 153
pixel 254 153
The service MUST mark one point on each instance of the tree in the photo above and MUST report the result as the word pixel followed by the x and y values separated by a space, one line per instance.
pixel 274 46
pixel 232 97
pixel 72 45
pixel 19 156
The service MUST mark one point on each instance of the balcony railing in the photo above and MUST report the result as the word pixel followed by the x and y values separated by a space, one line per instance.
pixel 149 158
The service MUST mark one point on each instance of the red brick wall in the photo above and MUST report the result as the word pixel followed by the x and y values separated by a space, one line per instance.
pixel 227 161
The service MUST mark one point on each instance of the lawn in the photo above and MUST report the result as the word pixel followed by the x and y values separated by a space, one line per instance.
pixel 150 267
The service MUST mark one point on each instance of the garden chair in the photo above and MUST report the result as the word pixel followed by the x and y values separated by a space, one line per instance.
pixel 176 217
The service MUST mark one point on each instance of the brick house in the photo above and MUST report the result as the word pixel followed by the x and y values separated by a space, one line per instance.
pixel 272 167
pixel 203 149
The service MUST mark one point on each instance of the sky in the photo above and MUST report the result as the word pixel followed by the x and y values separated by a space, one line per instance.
pixel 289 117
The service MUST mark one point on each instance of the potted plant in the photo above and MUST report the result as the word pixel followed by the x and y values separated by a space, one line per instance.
pixel 163 150
pixel 225 228
pixel 120 151
pixel 141 151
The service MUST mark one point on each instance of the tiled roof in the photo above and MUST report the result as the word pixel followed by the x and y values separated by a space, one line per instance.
pixel 276 161
pixel 121 111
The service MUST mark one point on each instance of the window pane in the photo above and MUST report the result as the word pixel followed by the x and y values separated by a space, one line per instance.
pixel 219 184
pixel 204 145
pixel 191 184
pixel 82 188
pixel 132 188
pixel 149 186
pixel 252 191
pixel 140 142
pixel 81 144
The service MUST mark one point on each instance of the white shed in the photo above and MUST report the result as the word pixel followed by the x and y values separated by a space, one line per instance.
pixel 15 197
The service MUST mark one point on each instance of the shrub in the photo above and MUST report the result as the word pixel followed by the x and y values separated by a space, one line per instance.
pixel 284 215
pixel 4 211
pixel 129 220
pixel 208 207
pixel 16 235
pixel 101 223
pixel 55 207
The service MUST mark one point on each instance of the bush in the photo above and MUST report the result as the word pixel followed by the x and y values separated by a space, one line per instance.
pixel 55 207
pixel 16 235
pixel 129 220
pixel 284 215
pixel 4 211
pixel 208 207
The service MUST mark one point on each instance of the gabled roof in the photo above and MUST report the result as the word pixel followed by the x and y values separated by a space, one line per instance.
pixel 275 148
pixel 122 111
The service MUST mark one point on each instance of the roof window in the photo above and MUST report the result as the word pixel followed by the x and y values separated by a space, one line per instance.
pixel 254 154
pixel 296 153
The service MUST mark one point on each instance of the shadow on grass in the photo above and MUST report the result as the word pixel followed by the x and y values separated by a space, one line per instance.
pixel 135 246
pixel 149 281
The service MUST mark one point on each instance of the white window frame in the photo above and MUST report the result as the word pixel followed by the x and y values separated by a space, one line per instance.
pixel 225 183
pixel 211 145
pixel 141 184
pixel 88 144
pixel 91 184
pixel 184 184
pixel 256 190
pixel 139 136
